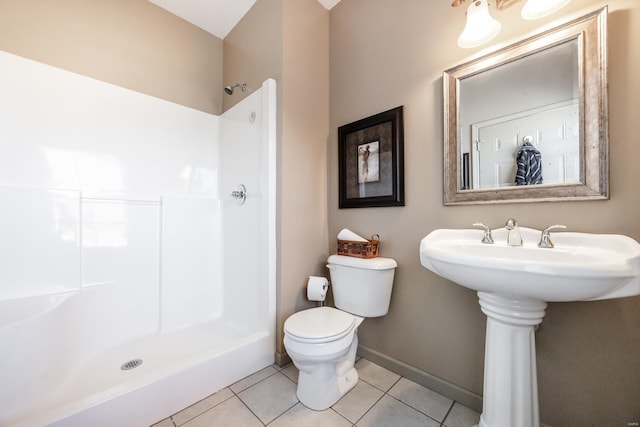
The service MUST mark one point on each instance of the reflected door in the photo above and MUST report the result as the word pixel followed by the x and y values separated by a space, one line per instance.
pixel 555 133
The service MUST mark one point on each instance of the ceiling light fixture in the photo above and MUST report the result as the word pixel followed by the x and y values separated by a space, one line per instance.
pixel 482 27
pixel 535 9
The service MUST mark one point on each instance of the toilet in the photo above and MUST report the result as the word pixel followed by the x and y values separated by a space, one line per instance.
pixel 322 341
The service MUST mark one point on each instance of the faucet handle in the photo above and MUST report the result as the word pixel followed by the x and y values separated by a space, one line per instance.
pixel 486 238
pixel 545 236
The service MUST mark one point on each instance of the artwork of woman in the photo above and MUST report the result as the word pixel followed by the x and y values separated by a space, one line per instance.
pixel 368 162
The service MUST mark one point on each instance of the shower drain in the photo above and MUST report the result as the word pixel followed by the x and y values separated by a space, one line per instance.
pixel 131 364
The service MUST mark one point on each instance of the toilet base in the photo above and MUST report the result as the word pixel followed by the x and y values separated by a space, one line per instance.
pixel 323 384
pixel 320 390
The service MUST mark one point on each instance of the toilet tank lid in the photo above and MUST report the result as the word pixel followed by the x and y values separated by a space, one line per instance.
pixel 377 263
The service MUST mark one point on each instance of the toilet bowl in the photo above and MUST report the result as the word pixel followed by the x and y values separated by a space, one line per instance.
pixel 322 342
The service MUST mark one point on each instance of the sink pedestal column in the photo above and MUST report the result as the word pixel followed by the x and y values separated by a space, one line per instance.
pixel 510 383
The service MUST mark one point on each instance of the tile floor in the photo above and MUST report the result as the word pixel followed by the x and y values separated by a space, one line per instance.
pixel 268 398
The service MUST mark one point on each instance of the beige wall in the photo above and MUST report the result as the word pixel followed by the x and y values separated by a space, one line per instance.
pixel 130 43
pixel 305 118
pixel 253 51
pixel 288 40
pixel 386 53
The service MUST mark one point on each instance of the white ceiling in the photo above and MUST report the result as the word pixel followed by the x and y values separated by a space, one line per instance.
pixel 217 17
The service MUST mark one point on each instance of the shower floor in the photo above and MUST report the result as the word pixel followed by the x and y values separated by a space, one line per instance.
pixel 90 382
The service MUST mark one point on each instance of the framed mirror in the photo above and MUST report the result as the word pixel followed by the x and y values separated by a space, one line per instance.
pixel 529 122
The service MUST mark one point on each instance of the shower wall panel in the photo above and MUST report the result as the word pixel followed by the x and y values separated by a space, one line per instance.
pixel 192 268
pixel 84 169
pixel 120 273
pixel 40 243
pixel 66 131
pixel 243 139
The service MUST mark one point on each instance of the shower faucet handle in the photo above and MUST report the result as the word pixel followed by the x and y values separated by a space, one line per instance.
pixel 486 238
pixel 240 194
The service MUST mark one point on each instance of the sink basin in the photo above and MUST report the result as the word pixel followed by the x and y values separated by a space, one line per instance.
pixel 580 267
pixel 514 285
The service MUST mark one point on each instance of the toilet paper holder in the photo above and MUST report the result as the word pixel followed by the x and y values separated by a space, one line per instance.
pixel 317 288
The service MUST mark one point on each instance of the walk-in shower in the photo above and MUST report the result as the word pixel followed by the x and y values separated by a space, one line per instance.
pixel 131 282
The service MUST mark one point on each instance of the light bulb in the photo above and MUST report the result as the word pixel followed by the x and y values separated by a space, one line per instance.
pixel 535 9
pixel 480 27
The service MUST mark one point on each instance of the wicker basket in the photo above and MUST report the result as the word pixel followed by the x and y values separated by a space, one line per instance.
pixel 367 249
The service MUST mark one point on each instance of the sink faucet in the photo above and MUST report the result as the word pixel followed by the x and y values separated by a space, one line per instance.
pixel 513 237
pixel 486 237
pixel 545 239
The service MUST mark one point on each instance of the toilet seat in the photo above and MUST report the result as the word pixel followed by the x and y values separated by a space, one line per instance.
pixel 319 325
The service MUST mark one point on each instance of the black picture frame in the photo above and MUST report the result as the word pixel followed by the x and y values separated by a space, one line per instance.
pixel 371 161
pixel 466 168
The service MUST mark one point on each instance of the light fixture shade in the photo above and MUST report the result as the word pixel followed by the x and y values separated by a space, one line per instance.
pixel 535 9
pixel 480 28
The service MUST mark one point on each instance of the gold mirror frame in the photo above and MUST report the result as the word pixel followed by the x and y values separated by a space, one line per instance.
pixel 590 31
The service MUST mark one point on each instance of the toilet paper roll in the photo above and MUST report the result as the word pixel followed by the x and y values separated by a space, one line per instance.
pixel 317 288
pixel 346 234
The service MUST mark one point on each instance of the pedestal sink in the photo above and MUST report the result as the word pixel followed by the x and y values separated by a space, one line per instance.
pixel 514 285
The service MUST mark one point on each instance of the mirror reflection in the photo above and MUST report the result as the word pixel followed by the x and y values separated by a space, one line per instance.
pixel 530 121
pixel 519 123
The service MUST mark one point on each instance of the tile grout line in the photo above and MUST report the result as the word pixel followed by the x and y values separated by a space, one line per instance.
pixel 374 403
pixel 207 410
pixel 283 412
pixel 233 394
pixel 369 410
pixel 453 402
pixel 257 382
pixel 342 416
pixel 237 395
pixel 447 414
pixel 250 410
pixel 416 409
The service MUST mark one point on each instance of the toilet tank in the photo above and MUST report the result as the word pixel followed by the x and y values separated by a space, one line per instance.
pixel 362 286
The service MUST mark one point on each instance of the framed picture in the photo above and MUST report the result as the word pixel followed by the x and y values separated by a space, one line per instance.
pixel 371 161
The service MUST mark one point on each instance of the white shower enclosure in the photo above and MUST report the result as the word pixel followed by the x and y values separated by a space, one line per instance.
pixel 122 247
